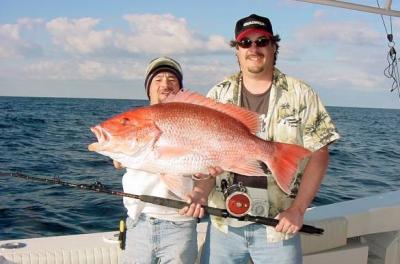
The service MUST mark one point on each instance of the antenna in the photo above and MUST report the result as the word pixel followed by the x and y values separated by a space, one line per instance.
pixel 387 11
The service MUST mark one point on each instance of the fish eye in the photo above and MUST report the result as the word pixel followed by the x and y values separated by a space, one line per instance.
pixel 124 121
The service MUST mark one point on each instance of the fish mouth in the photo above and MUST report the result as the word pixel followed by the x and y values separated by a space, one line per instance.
pixel 103 137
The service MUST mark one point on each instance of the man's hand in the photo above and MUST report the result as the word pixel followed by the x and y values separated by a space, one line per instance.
pixel 117 165
pixel 212 172
pixel 290 220
pixel 195 200
pixel 198 197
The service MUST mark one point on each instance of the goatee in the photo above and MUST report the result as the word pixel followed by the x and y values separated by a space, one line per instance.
pixel 255 69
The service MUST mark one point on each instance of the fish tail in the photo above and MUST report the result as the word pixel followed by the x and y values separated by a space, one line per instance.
pixel 282 159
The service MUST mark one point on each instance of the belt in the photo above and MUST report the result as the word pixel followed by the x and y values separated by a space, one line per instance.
pixel 260 182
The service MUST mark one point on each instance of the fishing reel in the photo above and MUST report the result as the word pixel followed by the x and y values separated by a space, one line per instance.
pixel 237 201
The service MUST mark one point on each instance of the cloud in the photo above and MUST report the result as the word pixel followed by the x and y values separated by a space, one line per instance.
pixel 102 54
pixel 90 70
pixel 78 35
pixel 147 34
pixel 344 32
pixel 165 34
pixel 128 70
pixel 110 54
pixel 216 43
pixel 206 71
pixel 343 77
pixel 50 70
pixel 343 55
pixel 81 69
pixel 115 69
pixel 12 44
pixel 9 39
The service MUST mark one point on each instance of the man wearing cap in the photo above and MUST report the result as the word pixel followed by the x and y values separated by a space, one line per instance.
pixel 290 112
pixel 157 234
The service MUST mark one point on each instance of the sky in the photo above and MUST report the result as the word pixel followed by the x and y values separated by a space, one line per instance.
pixel 100 49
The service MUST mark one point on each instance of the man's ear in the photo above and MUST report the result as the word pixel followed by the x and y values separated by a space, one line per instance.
pixel 274 47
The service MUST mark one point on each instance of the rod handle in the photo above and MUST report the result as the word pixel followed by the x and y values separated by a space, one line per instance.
pixel 274 222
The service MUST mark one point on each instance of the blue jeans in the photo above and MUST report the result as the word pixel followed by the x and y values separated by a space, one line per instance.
pixel 242 243
pixel 151 240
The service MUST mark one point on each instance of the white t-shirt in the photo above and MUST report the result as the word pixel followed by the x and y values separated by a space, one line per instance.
pixel 141 182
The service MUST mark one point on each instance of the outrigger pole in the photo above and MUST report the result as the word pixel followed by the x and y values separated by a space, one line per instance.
pixel 100 188
pixel 387 11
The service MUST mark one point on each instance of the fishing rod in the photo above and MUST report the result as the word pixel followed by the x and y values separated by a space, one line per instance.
pixel 100 188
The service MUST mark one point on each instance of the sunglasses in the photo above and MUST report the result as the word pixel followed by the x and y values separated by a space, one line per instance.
pixel 260 42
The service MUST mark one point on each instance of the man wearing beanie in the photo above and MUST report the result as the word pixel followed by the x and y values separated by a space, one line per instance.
pixel 162 67
pixel 290 112
pixel 157 234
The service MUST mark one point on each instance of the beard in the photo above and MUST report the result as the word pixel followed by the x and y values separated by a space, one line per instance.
pixel 255 69
pixel 258 68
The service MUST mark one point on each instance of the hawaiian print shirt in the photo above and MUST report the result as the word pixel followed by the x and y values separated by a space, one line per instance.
pixel 295 115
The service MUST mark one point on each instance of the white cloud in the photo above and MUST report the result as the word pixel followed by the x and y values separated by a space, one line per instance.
pixel 9 38
pixel 90 70
pixel 164 34
pixel 128 70
pixel 12 44
pixel 81 69
pixel 149 33
pixel 115 69
pixel 78 35
pixel 343 55
pixel 50 70
pixel 217 43
pixel 206 73
pixel 345 78
pixel 344 32
pixel 29 23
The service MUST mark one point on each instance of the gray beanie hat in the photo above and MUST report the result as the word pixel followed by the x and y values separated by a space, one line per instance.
pixel 162 64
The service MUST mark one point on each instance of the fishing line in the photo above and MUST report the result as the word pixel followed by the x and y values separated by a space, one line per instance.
pixel 100 188
pixel 392 70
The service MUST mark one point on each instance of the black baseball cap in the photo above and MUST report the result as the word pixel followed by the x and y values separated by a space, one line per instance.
pixel 252 23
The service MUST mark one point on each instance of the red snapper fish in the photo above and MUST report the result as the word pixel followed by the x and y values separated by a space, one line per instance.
pixel 189 133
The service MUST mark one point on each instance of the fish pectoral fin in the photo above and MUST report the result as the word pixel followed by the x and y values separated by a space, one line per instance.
pixel 179 185
pixel 248 168
pixel 171 152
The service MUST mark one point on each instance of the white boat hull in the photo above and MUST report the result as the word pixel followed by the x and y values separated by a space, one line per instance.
pixel 361 231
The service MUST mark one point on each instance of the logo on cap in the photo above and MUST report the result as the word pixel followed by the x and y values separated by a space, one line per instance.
pixel 253 22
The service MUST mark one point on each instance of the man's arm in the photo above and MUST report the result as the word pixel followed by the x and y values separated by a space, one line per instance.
pixel 291 220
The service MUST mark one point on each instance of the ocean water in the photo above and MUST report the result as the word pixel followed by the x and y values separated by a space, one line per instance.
pixel 48 137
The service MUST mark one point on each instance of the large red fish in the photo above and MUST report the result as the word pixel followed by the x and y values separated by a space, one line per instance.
pixel 190 133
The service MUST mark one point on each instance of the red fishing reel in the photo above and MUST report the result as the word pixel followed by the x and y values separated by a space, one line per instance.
pixel 237 201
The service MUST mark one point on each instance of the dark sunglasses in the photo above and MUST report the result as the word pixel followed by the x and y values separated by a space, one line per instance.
pixel 260 42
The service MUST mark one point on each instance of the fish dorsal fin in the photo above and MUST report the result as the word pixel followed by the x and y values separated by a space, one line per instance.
pixel 248 118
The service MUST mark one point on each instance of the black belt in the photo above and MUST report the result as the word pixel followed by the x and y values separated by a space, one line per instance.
pixel 260 182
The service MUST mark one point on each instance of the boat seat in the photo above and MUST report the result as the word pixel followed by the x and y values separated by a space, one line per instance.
pixel 335 235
